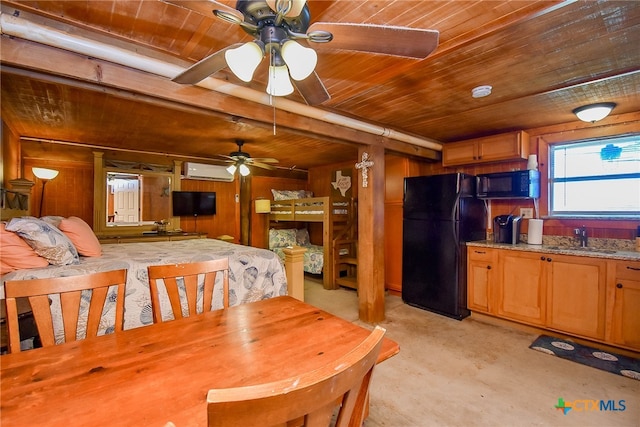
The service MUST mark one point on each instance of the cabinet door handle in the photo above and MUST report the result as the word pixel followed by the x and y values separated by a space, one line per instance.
pixel 619 286
pixel 549 260
pixel 542 258
pixel 480 252
pixel 633 268
pixel 488 267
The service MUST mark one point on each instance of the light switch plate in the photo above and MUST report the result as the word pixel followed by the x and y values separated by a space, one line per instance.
pixel 526 212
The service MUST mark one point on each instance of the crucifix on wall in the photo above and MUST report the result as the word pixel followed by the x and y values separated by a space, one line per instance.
pixel 364 166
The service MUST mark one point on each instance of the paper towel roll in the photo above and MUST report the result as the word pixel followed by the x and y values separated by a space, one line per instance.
pixel 535 232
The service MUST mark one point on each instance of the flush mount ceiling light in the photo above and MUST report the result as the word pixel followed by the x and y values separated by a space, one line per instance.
pixel 594 112
pixel 481 91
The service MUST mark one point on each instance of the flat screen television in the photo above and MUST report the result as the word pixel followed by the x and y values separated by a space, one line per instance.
pixel 193 203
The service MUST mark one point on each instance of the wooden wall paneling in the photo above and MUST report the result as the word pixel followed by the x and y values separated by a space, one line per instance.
pixel 10 159
pixel 68 194
pixel 226 220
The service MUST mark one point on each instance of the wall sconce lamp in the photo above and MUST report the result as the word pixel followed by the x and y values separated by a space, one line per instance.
pixel 45 175
pixel 263 206
pixel 594 112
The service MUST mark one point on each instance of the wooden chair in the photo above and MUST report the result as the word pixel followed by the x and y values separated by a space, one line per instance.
pixel 309 399
pixel 189 272
pixel 70 289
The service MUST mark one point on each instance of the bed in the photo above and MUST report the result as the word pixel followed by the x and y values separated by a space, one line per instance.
pixel 255 274
pixel 338 218
pixel 280 239
pixel 55 246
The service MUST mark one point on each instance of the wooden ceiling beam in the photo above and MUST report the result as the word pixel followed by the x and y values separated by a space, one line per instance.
pixel 127 82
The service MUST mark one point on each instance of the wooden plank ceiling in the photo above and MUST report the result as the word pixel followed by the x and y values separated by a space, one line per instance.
pixel 543 59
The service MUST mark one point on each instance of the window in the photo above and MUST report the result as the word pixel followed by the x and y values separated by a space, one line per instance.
pixel 596 178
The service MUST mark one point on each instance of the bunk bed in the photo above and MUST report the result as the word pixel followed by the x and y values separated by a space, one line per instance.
pixel 336 258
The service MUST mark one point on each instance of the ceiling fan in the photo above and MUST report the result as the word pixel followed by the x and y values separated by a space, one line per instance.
pixel 241 160
pixel 278 26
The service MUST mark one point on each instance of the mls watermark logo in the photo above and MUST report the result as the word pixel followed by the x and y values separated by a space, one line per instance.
pixel 590 405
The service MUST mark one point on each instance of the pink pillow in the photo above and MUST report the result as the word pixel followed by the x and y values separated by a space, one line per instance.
pixel 15 253
pixel 81 235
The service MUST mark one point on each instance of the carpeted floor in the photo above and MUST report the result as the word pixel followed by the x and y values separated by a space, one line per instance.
pixel 455 373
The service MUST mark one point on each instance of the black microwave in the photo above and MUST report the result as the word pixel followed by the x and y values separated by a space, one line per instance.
pixel 509 185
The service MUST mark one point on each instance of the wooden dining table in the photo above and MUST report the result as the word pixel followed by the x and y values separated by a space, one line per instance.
pixel 156 374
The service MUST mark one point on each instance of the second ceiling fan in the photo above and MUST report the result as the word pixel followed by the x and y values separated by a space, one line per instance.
pixel 278 27
pixel 241 160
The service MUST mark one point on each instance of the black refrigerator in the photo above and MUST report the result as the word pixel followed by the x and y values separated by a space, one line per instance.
pixel 441 213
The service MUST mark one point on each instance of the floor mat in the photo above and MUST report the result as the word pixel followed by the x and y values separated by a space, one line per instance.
pixel 607 361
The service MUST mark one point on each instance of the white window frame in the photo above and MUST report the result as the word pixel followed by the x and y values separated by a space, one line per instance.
pixel 606 214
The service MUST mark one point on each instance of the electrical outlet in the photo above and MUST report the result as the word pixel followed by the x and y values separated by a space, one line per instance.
pixel 526 212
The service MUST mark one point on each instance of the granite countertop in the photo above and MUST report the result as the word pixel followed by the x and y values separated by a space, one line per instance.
pixel 610 251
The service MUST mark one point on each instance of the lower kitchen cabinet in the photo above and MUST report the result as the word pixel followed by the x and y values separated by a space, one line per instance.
pixel 624 291
pixel 588 297
pixel 481 264
pixel 521 292
pixel 576 295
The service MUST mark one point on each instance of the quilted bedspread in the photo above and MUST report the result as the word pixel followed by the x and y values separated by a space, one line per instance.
pixel 255 274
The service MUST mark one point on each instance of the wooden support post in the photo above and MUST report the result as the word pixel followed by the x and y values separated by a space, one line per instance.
pixel 371 233
pixel 294 269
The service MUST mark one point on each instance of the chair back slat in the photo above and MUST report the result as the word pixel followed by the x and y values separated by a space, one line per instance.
pixel 42 316
pixel 40 291
pixel 189 274
pixel 309 399
pixel 70 305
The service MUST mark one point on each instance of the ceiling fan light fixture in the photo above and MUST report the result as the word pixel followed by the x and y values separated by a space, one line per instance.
pixel 244 170
pixel 232 169
pixel 244 60
pixel 594 112
pixel 279 82
pixel 300 60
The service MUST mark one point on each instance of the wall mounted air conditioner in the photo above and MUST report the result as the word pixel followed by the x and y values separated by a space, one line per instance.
pixel 207 172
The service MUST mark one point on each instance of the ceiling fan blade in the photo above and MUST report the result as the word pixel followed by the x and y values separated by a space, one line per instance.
pixel 261 165
pixel 387 40
pixel 312 89
pixel 206 7
pixel 296 7
pixel 264 159
pixel 205 67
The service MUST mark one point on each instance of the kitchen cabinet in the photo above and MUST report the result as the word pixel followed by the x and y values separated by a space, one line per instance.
pixel 585 296
pixel 624 315
pixel 521 293
pixel 481 268
pixel 576 295
pixel 495 148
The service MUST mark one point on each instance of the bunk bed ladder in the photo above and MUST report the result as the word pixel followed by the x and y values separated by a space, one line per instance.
pixel 345 252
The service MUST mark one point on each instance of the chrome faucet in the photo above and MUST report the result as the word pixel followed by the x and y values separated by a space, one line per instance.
pixel 582 235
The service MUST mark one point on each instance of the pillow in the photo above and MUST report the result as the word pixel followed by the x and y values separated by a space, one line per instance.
pixel 81 235
pixel 302 237
pixel 16 254
pixel 53 220
pixel 48 242
pixel 282 238
pixel 290 194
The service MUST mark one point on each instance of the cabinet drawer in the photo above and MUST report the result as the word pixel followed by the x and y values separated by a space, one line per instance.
pixel 481 254
pixel 628 270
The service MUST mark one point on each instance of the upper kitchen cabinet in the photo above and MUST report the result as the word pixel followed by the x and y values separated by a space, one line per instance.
pixel 495 148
